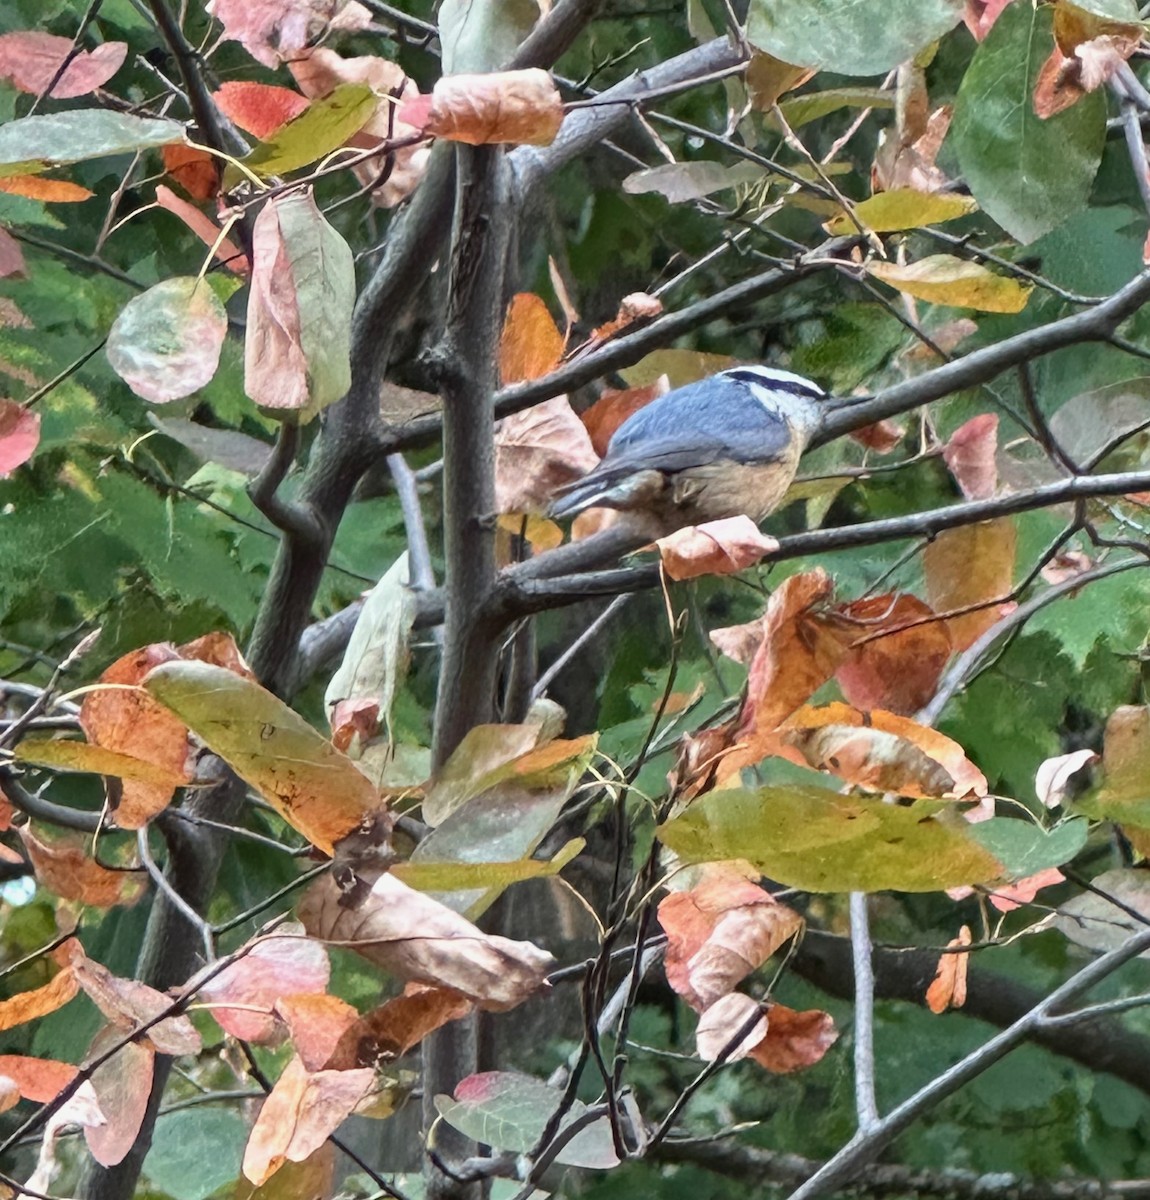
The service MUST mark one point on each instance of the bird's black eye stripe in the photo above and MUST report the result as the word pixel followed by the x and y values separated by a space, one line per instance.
pixel 789 385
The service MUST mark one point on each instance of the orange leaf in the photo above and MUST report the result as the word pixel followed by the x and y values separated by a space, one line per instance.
pixel 794 1039
pixel 316 1022
pixel 531 344
pixel 897 670
pixel 196 171
pixel 301 1112
pixel 65 866
pixel 39 1079
pixel 881 437
pixel 36 187
pixel 633 308
pixel 28 1006
pixel 719 932
pixel 227 252
pixel 948 989
pixel 613 407
pixel 392 1029
pixel 715 548
pixel 1008 897
pixel 523 107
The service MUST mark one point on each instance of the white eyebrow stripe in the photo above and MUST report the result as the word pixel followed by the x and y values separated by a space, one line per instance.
pixel 784 381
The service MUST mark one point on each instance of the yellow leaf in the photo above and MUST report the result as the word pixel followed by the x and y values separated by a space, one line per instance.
pixel 943 279
pixel 904 208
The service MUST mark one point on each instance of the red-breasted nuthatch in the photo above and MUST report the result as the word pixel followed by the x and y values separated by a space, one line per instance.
pixel 718 448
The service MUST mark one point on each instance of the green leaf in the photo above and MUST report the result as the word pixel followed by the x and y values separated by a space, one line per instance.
pixel 802 109
pixel 79 134
pixel 315 788
pixel 944 279
pixel 482 35
pixel 821 841
pixel 1025 848
pixel 166 343
pixel 904 208
pixel 680 182
pixel 1027 174
pixel 849 37
pixel 67 754
pixel 510 1112
pixel 322 127
pixel 468 876
pixel 195 1152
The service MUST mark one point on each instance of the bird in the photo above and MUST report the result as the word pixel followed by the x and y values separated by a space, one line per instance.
pixel 721 447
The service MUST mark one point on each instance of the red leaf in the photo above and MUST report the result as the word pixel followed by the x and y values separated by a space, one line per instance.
pixel 30 60
pixel 259 108
pixel 19 435
pixel 715 548
pixel 970 456
pixel 196 171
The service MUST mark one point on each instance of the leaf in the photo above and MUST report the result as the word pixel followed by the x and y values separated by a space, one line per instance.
pixel 681 182
pixel 722 1022
pixel 1092 921
pixel 260 109
pixel 821 841
pixel 970 453
pixel 30 59
pixel 322 127
pixel 123 1085
pixel 297 356
pixel 801 110
pixel 434 876
pixel 301 1112
pixel 195 170
pixel 795 1040
pixel 720 931
pixel 612 408
pixel 537 451
pixel 226 252
pixel 39 1002
pixel 849 37
pixel 944 279
pixel 67 754
pixel 1025 848
pixel 51 191
pixel 65 866
pixel 196 1152
pixel 768 78
pixel 389 1031
pixel 716 548
pixel 1007 897
pixel 482 35
pixel 272 31
pixel 1027 174
pixel 517 107
pixel 166 342
pixel 948 988
pixel 417 938
pixel 314 787
pixel 38 1079
pixel 19 435
pixel 128 1004
pixel 243 995
pixel 315 1023
pixel 903 208
pixel 896 653
pixel 376 657
pixel 530 345
pixel 79 134
pixel 510 1111
pixel 12 264
pixel 1054 777
pixel 971 565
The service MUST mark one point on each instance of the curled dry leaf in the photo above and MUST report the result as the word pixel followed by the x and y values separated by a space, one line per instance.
pixel 723 1022
pixel 128 1004
pixel 389 1031
pixel 895 652
pixel 881 437
pixel 65 866
pixel 970 455
pixel 29 61
pixel 301 1112
pixel 911 163
pixel 243 995
pixel 1066 565
pixel 417 938
pixel 275 31
pixel 633 308
pixel 517 107
pixel 795 1039
pixel 537 451
pixel 948 988
pixel 889 765
pixel 1053 779
pixel 719 932
pixel 715 548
